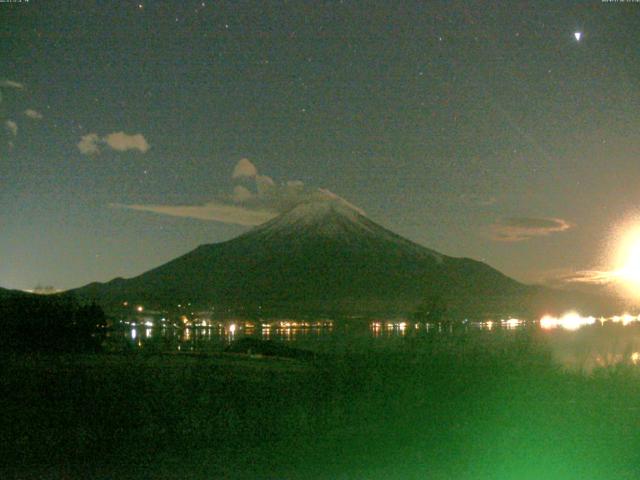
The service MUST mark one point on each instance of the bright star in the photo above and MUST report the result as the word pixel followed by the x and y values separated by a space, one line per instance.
pixel 578 36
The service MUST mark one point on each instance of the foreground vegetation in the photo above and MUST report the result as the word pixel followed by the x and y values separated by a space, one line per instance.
pixel 465 407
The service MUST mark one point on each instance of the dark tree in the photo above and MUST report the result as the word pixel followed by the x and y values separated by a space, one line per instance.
pixel 49 322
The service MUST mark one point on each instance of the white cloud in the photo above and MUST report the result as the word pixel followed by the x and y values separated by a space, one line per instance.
pixel 91 143
pixel 244 206
pixel 33 114
pixel 121 141
pixel 12 127
pixel 517 229
pixel 597 277
pixel 241 194
pixel 12 84
pixel 244 168
pixel 264 184
pixel 209 211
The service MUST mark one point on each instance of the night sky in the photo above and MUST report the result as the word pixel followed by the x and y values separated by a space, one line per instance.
pixel 479 129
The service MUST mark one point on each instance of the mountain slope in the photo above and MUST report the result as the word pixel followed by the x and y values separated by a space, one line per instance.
pixel 320 257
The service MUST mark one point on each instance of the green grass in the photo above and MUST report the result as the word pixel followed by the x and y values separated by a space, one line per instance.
pixel 465 407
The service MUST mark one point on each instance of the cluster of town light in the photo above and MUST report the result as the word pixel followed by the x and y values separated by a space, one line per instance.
pixel 568 321
pixel 574 321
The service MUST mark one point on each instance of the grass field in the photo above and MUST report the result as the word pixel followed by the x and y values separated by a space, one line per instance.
pixel 456 407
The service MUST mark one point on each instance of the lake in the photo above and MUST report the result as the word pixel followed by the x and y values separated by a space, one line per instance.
pixel 574 341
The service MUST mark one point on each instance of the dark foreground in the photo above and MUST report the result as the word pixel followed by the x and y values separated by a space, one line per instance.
pixel 473 407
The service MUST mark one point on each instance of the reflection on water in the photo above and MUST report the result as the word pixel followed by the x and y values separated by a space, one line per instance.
pixel 576 341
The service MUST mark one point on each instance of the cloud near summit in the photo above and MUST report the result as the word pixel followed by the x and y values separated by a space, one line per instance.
pixel 256 200
pixel 518 229
pixel 244 168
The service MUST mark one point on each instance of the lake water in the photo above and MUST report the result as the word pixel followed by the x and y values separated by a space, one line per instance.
pixel 574 341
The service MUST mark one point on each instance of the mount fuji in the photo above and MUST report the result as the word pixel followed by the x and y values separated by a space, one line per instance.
pixel 326 258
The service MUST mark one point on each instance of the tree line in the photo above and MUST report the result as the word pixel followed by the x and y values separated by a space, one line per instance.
pixel 50 322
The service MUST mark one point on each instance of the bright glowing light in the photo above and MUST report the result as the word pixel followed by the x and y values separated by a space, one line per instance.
pixel 139 308
pixel 512 322
pixel 569 321
pixel 572 321
pixel 548 322
pixel 626 258
pixel 232 328
pixel 630 271
pixel 627 319
pixel 578 36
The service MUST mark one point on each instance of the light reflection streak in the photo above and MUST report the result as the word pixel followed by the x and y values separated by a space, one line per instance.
pixel 376 329
pixel 402 327
pixel 186 335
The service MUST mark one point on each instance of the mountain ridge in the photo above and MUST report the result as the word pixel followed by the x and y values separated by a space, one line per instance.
pixel 321 258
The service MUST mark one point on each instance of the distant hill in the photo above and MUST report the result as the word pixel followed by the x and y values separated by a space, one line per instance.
pixel 5 293
pixel 324 257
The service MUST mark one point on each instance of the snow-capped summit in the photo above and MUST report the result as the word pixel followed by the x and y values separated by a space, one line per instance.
pixel 316 211
pixel 332 220
pixel 321 217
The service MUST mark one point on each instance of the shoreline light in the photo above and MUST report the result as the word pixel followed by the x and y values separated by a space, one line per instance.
pixel 573 321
